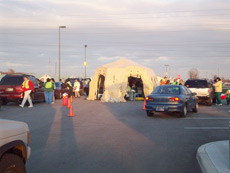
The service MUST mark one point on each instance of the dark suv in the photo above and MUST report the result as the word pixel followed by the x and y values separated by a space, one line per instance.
pixel 203 89
pixel 11 91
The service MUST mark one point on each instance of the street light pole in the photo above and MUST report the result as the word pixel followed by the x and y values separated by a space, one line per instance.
pixel 166 66
pixel 85 63
pixel 60 50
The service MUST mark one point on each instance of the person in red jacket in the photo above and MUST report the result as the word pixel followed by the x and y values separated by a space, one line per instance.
pixel 27 87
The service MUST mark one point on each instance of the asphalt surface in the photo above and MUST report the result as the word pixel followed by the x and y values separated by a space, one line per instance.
pixel 116 137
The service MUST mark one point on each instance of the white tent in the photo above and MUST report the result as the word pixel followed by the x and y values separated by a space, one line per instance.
pixel 115 76
pixel 44 77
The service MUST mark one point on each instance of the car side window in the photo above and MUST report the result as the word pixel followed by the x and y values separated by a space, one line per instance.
pixel 185 91
pixel 188 90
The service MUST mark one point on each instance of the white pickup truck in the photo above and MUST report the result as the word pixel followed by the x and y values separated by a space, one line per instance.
pixel 203 89
pixel 14 146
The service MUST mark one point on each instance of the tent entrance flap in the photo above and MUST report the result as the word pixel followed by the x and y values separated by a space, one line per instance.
pixel 136 84
pixel 100 86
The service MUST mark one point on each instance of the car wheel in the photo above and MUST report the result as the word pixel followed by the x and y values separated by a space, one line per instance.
pixel 195 109
pixel 209 101
pixel 184 111
pixel 4 102
pixel 149 113
pixel 12 163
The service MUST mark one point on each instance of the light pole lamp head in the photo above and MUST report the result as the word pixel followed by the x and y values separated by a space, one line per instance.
pixel 62 26
pixel 85 45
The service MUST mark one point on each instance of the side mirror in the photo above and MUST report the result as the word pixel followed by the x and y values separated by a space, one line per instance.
pixel 194 94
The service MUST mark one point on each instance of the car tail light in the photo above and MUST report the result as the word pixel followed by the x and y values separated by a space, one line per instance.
pixel 174 99
pixel 149 99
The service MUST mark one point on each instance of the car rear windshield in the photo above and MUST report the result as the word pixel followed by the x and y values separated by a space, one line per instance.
pixel 174 90
pixel 196 84
pixel 12 80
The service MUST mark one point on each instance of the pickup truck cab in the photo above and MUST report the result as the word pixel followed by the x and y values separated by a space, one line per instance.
pixel 14 146
pixel 203 89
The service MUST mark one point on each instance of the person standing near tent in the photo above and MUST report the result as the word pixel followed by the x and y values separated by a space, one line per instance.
pixel 86 87
pixel 54 88
pixel 49 89
pixel 218 90
pixel 77 88
pixel 69 87
pixel 27 87
pixel 134 90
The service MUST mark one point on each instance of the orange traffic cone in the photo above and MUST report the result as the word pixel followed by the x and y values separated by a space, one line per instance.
pixel 71 99
pixel 71 112
pixel 68 106
pixel 144 105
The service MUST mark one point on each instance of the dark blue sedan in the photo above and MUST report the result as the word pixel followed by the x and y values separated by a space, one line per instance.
pixel 171 98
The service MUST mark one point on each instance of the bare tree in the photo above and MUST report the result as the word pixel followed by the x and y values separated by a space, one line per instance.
pixel 11 71
pixel 193 73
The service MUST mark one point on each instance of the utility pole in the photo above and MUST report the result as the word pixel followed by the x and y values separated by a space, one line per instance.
pixel 166 67
pixel 85 63
pixel 49 65
pixel 56 68
pixel 60 50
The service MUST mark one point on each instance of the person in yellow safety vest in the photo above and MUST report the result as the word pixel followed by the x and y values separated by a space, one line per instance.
pixel 163 81
pixel 175 82
pixel 49 90
pixel 218 90
pixel 53 82
pixel 69 87
pixel 27 87
pixel 77 86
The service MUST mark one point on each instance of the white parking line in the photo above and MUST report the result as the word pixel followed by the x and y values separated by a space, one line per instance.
pixel 206 118
pixel 206 128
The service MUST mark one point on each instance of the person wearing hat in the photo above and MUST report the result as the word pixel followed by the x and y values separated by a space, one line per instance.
pixel 218 90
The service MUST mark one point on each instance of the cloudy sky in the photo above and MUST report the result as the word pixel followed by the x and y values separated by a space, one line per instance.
pixel 182 33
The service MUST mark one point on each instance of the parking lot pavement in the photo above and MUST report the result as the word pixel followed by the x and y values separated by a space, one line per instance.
pixel 116 137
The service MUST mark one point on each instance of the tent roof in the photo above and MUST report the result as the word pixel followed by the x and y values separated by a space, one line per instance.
pixel 123 63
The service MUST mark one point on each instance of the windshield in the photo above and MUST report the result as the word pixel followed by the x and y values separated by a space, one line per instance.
pixel 12 80
pixel 196 84
pixel 174 90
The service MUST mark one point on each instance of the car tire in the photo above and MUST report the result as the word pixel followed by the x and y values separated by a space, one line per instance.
pixel 209 101
pixel 184 111
pixel 149 113
pixel 4 102
pixel 12 163
pixel 195 109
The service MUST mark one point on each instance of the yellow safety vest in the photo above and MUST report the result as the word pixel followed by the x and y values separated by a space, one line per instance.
pixel 54 85
pixel 69 85
pixel 48 85
pixel 25 84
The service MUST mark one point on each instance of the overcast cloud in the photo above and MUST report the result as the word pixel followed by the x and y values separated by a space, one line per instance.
pixel 182 33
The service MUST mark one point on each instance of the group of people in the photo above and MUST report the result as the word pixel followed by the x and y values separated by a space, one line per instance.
pixel 49 86
pixel 75 88
pixel 165 81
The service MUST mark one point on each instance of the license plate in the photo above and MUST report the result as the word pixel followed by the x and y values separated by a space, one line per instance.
pixel 9 89
pixel 160 108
